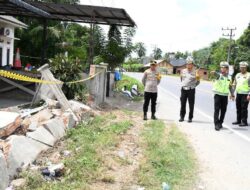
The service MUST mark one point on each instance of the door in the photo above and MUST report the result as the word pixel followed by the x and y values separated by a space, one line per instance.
pixel 1 56
pixel 8 57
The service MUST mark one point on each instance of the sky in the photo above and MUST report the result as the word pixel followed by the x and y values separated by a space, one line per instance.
pixel 182 25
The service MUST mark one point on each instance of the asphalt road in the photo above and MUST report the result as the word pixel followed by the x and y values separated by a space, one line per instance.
pixel 204 101
pixel 224 156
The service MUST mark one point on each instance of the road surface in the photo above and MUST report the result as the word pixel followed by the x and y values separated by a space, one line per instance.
pixel 224 156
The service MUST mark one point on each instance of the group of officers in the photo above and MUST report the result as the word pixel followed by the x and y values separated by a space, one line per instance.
pixel 223 87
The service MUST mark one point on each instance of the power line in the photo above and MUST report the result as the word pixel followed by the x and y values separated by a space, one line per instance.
pixel 230 34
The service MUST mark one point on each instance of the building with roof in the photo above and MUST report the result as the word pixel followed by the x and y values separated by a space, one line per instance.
pixel 7 38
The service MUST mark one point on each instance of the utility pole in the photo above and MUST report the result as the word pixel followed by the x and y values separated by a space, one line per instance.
pixel 230 34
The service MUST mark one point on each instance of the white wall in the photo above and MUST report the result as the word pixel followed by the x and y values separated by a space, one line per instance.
pixel 8 43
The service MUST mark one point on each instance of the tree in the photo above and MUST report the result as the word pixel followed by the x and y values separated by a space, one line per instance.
pixel 114 53
pixel 157 53
pixel 202 56
pixel 140 49
pixel 179 55
pixel 128 44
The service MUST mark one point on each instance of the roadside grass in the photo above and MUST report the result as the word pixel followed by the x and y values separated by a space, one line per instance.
pixel 85 165
pixel 168 158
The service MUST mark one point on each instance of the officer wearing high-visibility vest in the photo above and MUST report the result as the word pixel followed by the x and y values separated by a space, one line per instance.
pixel 242 87
pixel 221 88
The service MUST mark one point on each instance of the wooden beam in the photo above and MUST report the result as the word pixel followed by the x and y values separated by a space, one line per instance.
pixel 18 86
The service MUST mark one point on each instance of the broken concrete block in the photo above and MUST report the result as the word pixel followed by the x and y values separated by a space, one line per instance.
pixel 78 106
pixel 4 178
pixel 22 151
pixel 26 123
pixel 56 127
pixel 42 135
pixel 69 120
pixel 57 112
pixel 52 103
pixel 9 122
pixel 33 126
pixel 42 116
pixel 18 183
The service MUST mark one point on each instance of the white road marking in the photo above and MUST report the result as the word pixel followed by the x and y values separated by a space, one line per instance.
pixel 209 117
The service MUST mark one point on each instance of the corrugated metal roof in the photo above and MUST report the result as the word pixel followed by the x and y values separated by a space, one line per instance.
pixel 178 62
pixel 66 12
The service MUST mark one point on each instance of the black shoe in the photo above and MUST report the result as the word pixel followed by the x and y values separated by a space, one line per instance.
pixel 220 125
pixel 145 117
pixel 236 123
pixel 243 125
pixel 153 117
pixel 181 119
pixel 217 127
pixel 189 120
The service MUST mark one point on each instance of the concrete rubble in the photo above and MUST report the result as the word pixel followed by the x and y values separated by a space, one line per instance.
pixel 3 171
pixel 41 130
pixel 9 122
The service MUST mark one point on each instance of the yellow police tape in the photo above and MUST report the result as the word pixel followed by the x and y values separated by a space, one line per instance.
pixel 20 77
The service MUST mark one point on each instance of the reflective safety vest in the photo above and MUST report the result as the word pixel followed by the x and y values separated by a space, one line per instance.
pixel 221 85
pixel 242 83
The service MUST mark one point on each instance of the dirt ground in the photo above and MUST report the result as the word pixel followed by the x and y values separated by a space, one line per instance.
pixel 123 161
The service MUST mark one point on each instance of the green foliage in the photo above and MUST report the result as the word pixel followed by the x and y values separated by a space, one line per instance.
pixel 140 49
pixel 86 164
pixel 179 55
pixel 117 47
pixel 67 70
pixel 157 53
pixel 133 65
pixel 202 57
pixel 129 82
pixel 169 158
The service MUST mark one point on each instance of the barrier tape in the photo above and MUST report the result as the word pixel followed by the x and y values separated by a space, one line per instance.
pixel 16 76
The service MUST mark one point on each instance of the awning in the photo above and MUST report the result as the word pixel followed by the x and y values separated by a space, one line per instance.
pixel 66 12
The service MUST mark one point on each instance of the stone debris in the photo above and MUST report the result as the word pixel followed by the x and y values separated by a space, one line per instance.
pixel 9 122
pixel 56 127
pixel 42 116
pixel 33 126
pixel 18 183
pixel 42 135
pixel 3 171
pixel 21 152
pixel 41 128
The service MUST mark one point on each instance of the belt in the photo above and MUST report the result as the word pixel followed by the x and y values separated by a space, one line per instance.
pixel 188 88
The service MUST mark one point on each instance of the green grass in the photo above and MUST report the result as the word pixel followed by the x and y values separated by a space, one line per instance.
pixel 85 165
pixel 129 82
pixel 168 158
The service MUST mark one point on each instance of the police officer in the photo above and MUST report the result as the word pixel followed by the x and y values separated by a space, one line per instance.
pixel 151 78
pixel 242 87
pixel 221 88
pixel 189 80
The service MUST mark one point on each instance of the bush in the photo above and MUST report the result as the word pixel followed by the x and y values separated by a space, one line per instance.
pixel 67 70
pixel 129 82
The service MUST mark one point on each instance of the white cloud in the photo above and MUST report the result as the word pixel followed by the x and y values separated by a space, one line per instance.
pixel 182 25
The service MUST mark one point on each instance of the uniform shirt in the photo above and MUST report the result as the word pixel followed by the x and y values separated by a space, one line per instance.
pixel 188 78
pixel 240 75
pixel 150 81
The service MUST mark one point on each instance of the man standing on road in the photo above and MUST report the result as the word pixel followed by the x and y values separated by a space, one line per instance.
pixel 221 88
pixel 242 87
pixel 151 78
pixel 189 80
